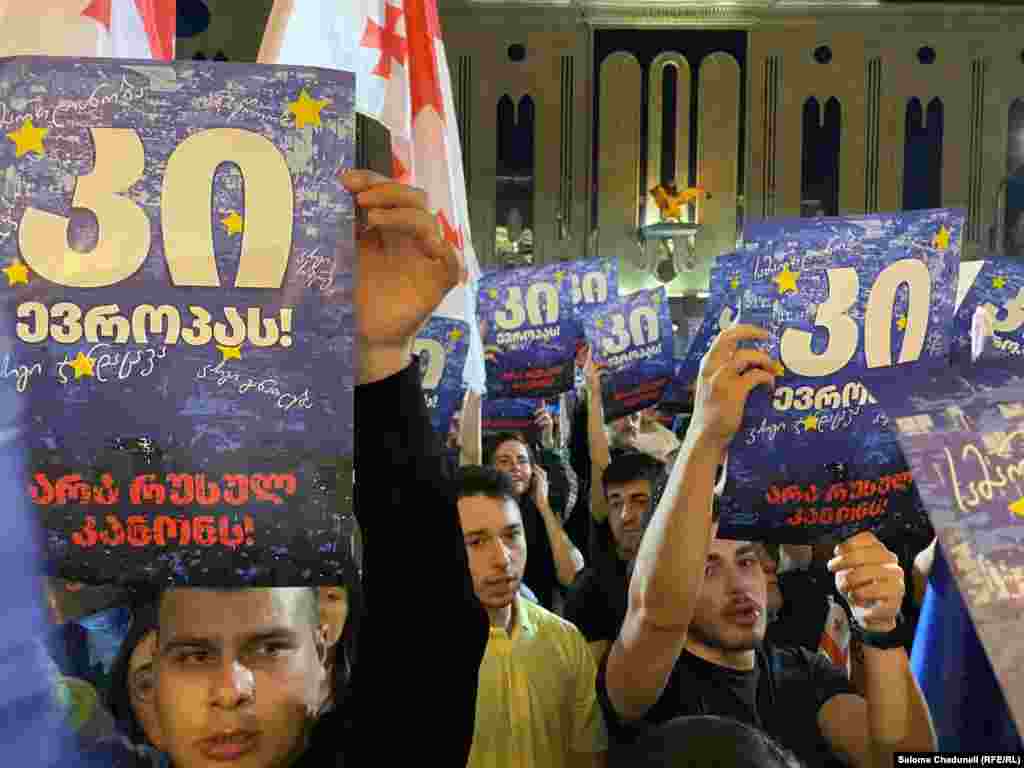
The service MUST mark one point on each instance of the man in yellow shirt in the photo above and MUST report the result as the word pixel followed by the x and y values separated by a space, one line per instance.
pixel 536 702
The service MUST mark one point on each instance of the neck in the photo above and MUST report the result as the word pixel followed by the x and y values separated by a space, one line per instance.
pixel 501 618
pixel 742 661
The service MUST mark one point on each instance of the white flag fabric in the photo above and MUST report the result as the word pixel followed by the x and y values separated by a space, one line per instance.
pixel 403 81
pixel 835 638
pixel 124 29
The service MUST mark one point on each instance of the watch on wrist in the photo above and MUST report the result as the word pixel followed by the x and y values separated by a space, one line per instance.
pixel 896 638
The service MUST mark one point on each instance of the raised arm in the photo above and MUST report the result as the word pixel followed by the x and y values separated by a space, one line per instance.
pixel 670 564
pixel 471 450
pixel 404 271
pixel 597 437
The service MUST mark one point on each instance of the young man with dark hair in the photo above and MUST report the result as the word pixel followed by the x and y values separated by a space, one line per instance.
pixel 537 703
pixel 621 500
pixel 692 640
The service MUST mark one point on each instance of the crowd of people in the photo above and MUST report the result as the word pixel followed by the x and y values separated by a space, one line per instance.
pixel 590 614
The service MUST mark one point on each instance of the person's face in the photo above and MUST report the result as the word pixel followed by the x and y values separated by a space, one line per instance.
pixel 512 458
pixel 239 676
pixel 140 686
pixel 630 511
pixel 770 564
pixel 455 430
pixel 731 613
pixel 333 612
pixel 496 548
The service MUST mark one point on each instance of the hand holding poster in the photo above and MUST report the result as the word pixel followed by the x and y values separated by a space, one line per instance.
pixel 961 430
pixel 632 344
pixel 515 414
pixel 197 314
pixel 442 347
pixel 816 457
pixel 526 323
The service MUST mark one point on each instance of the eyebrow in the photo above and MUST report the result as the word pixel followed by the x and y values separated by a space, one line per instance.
pixel 262 636
pixel 482 531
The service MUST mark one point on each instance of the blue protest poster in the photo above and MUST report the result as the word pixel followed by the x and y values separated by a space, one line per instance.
pixel 962 432
pixel 514 414
pixel 998 290
pixel 721 311
pixel 594 282
pixel 442 346
pixel 177 257
pixel 632 343
pixel 875 294
pixel 528 329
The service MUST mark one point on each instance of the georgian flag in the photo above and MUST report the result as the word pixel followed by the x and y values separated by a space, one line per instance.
pixel 124 29
pixel 403 81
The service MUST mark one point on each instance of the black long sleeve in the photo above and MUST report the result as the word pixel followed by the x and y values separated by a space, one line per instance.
pixel 423 637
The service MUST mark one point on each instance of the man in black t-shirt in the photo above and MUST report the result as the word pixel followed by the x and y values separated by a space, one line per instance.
pixel 692 639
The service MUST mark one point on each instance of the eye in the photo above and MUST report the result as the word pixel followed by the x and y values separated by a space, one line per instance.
pixel 274 648
pixel 192 657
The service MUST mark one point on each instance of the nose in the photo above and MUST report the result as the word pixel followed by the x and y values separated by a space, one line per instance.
pixel 501 555
pixel 233 685
pixel 630 513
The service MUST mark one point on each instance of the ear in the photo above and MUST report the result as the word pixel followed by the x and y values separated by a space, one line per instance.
pixel 320 643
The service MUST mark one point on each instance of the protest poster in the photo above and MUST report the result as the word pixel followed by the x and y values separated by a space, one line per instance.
pixel 999 291
pixel 177 261
pixel 815 457
pixel 631 341
pixel 720 312
pixel 515 414
pixel 962 431
pixel 527 324
pixel 442 346
pixel 594 282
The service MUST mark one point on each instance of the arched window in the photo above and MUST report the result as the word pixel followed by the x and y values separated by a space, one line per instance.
pixel 515 181
pixel 819 188
pixel 922 155
pixel 669 81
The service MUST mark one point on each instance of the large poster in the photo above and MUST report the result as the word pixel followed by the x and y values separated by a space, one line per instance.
pixel 816 457
pixel 527 323
pixel 176 253
pixel 632 344
pixel 962 431
pixel 442 346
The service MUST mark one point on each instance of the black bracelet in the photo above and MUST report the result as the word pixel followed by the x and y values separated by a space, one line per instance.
pixel 883 641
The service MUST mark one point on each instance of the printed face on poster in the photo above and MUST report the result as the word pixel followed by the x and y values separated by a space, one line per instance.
pixel 870 294
pixel 177 258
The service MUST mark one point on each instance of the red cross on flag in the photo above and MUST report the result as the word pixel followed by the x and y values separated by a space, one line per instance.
pixel 402 79
pixel 124 29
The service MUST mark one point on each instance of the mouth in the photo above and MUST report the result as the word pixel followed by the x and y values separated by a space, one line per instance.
pixel 508 583
pixel 229 746
pixel 745 614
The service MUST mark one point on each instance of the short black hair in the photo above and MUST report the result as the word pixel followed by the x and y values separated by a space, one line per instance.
pixel 696 742
pixel 483 481
pixel 497 439
pixel 629 466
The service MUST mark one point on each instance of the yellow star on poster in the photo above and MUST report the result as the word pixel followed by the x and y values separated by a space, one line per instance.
pixel 28 138
pixel 901 322
pixel 16 273
pixel 230 353
pixel 599 322
pixel 232 223
pixel 786 280
pixel 734 283
pixel 82 365
pixel 307 109
pixel 999 282
pixel 810 423
pixel 656 298
pixel 493 293
pixel 559 276
pixel 941 240
pixel 1018 507
pixel 779 369
pixel 455 334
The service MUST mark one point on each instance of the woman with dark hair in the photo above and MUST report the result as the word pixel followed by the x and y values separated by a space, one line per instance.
pixel 130 698
pixel 341 609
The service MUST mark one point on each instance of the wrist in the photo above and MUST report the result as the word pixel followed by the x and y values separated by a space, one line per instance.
pixel 706 443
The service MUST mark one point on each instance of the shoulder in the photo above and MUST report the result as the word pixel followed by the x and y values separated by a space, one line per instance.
pixel 553 627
